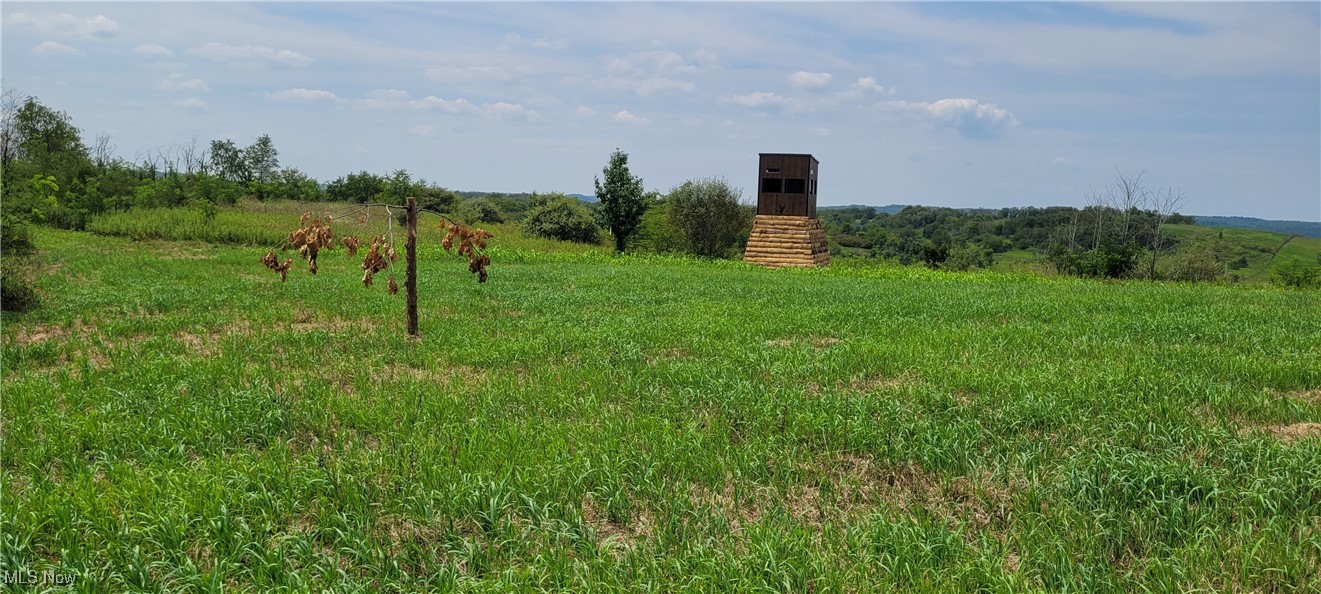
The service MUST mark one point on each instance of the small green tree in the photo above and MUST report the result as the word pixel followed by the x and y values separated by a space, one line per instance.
pixel 621 199
pixel 709 215
pixel 556 216
pixel 479 210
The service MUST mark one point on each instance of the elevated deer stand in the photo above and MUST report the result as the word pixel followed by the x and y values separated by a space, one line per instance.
pixel 786 231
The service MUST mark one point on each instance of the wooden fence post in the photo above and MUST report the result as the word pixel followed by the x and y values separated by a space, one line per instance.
pixel 410 275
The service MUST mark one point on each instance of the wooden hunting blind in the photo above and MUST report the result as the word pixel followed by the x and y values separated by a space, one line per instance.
pixel 787 185
pixel 786 231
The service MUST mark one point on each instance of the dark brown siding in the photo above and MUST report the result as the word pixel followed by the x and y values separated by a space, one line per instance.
pixel 789 172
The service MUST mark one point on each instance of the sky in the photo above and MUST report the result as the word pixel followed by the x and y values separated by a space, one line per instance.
pixel 941 104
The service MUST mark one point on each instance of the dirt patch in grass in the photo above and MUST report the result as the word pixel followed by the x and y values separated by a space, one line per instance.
pixel 850 485
pixel 883 382
pixel 53 332
pixel 670 354
pixel 738 511
pixel 197 344
pixel 1310 396
pixel 1295 431
pixel 334 325
pixel 207 343
pixel 610 532
pixel 817 342
pixel 400 531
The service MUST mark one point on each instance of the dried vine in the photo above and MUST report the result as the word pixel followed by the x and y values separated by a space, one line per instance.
pixel 314 235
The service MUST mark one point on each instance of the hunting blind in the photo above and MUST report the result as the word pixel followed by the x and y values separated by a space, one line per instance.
pixel 786 231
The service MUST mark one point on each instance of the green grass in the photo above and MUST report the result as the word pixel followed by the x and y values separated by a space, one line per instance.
pixel 1258 248
pixel 176 419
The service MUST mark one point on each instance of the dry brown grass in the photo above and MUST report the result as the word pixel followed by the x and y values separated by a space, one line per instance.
pixel 610 533
pixel 881 382
pixel 817 342
pixel 1294 432
pixel 737 511
pixel 859 485
pixel 1310 396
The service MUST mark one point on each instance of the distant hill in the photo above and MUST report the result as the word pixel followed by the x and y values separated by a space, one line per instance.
pixel 891 209
pixel 1303 228
pixel 470 194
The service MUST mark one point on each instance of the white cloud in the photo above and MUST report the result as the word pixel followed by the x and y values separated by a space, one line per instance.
pixel 387 94
pixel 469 74
pixel 810 80
pixel 65 24
pixel 176 82
pixel 652 86
pixel 421 129
pixel 150 49
pixel 542 43
pixel 769 100
pixel 969 116
pixel 629 118
pixel 445 105
pixel 584 111
pixel 383 98
pixel 653 63
pixel 653 72
pixel 648 86
pixel 301 94
pixel 53 48
pixel 250 53
pixel 510 111
pixel 865 86
pixel 705 58
pixel 760 99
pixel 500 110
pixel 192 103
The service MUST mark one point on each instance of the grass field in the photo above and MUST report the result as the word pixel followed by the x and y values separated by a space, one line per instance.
pixel 176 419
pixel 1262 252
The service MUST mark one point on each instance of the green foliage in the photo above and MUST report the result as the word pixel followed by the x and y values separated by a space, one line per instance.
pixel 1110 260
pixel 357 187
pixel 479 210
pixel 709 217
pixel 556 216
pixel 294 185
pixel 433 197
pixel 621 198
pixel 1298 275
pixel 398 187
pixel 1191 263
pixel 18 291
pixel 203 222
pixel 49 145
pixel 656 234
pixel 966 257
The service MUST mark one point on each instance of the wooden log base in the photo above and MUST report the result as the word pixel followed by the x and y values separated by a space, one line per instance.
pixel 787 241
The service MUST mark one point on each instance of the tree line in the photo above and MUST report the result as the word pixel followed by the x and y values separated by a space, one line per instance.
pixel 50 175
pixel 1120 233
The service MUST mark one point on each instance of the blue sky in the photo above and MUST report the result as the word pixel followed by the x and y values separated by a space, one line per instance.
pixel 950 104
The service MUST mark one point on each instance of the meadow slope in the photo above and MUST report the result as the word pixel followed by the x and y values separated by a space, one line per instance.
pixel 176 419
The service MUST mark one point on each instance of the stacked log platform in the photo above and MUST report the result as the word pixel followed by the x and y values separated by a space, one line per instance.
pixel 787 241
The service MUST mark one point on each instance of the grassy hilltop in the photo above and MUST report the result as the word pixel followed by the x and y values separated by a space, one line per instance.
pixel 177 419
